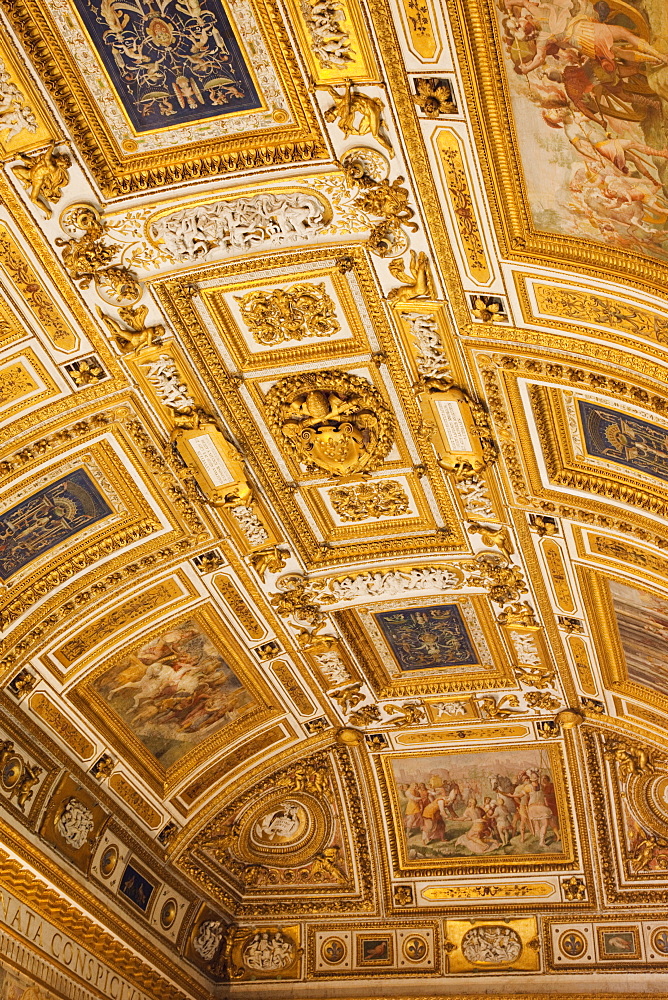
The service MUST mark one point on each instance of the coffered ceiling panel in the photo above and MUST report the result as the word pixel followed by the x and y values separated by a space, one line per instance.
pixel 333 463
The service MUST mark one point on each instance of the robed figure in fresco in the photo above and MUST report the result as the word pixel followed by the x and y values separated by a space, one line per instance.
pixel 598 74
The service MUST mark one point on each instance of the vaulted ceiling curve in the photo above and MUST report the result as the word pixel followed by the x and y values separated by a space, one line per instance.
pixel 333 431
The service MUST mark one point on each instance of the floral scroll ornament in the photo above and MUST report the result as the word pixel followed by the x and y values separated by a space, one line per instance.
pixel 88 258
pixel 385 203
pixel 331 421
pixel 358 501
pixel 301 311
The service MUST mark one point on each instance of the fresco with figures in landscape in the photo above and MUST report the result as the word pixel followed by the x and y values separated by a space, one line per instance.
pixel 589 89
pixel 491 803
pixel 642 620
pixel 172 62
pixel 174 691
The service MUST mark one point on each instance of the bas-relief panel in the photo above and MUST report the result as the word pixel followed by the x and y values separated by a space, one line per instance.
pixel 490 804
pixel 52 515
pixel 625 439
pixel 642 621
pixel 588 84
pixel 430 637
pixel 170 62
pixel 174 691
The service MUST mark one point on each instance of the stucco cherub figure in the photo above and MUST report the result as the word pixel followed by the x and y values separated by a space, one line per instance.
pixel 351 104
pixel 44 175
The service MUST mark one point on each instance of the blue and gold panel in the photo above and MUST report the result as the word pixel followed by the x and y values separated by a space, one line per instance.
pixel 596 444
pixel 427 638
pixel 431 647
pixel 171 62
pixel 624 439
pixel 54 514
pixel 136 887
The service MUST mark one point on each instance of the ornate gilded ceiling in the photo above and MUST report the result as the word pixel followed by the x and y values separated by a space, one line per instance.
pixel 333 484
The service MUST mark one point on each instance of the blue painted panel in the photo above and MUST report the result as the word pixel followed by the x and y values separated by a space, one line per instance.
pixel 624 439
pixel 47 518
pixel 431 637
pixel 171 62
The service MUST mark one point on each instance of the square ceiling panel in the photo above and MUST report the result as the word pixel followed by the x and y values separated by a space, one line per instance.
pixel 155 94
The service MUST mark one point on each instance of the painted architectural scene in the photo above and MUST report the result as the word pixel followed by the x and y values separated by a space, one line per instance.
pixel 427 638
pixel 477 804
pixel 174 691
pixel 172 62
pixel 625 439
pixel 588 83
pixel 642 621
pixel 47 518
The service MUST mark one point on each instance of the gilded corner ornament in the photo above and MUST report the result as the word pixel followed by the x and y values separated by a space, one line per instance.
pixel 358 114
pixel 418 284
pixel 138 335
pixel 631 758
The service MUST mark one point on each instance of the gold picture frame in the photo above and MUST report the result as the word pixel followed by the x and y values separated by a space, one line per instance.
pixel 119 733
pixel 595 585
pixel 547 759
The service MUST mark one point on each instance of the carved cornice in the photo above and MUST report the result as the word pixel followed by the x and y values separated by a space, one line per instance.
pixel 48 903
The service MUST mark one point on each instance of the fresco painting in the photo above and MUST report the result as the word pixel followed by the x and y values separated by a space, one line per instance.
pixel 618 942
pixel 136 887
pixel 625 439
pixel 171 62
pixel 491 804
pixel 51 516
pixel 430 637
pixel 589 86
pixel 642 621
pixel 174 691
